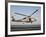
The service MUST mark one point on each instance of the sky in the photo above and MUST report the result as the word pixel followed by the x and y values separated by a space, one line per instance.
pixel 26 10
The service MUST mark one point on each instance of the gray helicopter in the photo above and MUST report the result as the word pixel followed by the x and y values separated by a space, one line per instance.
pixel 27 19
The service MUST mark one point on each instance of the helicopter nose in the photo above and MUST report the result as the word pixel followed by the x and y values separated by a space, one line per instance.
pixel 33 19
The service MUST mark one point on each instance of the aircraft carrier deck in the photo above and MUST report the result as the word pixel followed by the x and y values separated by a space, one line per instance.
pixel 25 27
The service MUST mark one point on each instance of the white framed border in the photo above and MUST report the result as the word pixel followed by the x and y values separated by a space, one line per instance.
pixel 24 32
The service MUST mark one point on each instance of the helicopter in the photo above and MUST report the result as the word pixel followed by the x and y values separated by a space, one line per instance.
pixel 27 19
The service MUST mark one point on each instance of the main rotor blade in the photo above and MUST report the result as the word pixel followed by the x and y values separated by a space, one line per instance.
pixel 26 15
pixel 34 12
pixel 20 14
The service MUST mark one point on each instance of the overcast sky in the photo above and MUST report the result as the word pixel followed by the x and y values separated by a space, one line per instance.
pixel 27 10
